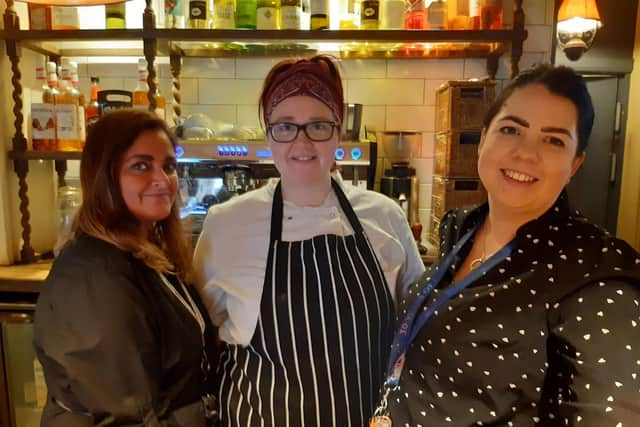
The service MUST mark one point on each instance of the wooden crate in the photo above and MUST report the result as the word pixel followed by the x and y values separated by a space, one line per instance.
pixel 461 105
pixel 457 154
pixel 451 193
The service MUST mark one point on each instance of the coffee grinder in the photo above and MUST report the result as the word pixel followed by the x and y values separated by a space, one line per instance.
pixel 400 182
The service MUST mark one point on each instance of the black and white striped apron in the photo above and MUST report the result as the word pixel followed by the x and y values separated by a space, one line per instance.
pixel 318 354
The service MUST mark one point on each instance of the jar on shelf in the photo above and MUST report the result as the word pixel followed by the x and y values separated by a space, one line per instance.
pixel 69 201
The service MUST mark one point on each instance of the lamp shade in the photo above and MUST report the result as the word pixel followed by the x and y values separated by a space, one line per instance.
pixel 586 9
pixel 74 2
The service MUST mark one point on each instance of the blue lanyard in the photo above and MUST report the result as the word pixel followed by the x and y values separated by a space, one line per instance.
pixel 409 329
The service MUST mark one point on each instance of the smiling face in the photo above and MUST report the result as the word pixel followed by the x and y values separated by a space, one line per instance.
pixel 303 162
pixel 148 177
pixel 528 153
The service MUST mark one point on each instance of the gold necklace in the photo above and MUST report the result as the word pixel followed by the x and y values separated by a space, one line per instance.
pixel 477 262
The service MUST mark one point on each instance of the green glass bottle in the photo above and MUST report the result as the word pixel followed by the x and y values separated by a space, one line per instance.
pixel 246 14
pixel 115 15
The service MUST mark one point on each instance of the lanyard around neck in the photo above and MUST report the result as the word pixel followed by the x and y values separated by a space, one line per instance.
pixel 187 303
pixel 412 323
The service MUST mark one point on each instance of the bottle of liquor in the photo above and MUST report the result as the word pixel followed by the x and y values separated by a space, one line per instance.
pixel 458 14
pixel 392 14
pixel 82 101
pixel 199 13
pixel 437 15
pixel 224 14
pixel 115 14
pixel 91 113
pixel 246 14
pixel 141 92
pixel 347 16
pixel 43 128
pixel 474 14
pixel 415 18
pixel 67 101
pixel 290 12
pixel 491 14
pixel 268 15
pixel 40 16
pixel 319 10
pixel 370 15
pixel 174 14
pixel 65 18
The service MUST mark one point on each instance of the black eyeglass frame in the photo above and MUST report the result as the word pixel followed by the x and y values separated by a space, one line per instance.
pixel 302 127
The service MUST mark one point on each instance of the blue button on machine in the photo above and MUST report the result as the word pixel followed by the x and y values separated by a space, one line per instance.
pixel 340 153
pixel 356 153
pixel 179 151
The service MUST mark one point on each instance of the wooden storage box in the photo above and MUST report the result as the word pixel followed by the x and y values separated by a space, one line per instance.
pixel 457 154
pixel 461 105
pixel 451 193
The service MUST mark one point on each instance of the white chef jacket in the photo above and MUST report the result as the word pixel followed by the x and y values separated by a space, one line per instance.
pixel 231 254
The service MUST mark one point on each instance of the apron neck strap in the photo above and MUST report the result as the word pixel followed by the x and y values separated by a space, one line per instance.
pixel 277 211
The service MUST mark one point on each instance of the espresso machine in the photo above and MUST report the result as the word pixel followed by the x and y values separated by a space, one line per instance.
pixel 399 182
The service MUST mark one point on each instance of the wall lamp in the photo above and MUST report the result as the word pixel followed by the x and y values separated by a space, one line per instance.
pixel 578 22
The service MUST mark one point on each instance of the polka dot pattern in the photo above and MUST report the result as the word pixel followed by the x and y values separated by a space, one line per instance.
pixel 550 336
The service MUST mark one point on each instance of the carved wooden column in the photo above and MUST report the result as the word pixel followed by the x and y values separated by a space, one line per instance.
pixel 176 67
pixel 150 48
pixel 516 45
pixel 19 142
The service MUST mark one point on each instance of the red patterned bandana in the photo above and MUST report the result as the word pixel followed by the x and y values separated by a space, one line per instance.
pixel 302 81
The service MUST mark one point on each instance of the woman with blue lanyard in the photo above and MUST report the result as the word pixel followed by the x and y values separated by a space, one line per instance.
pixel 300 275
pixel 531 316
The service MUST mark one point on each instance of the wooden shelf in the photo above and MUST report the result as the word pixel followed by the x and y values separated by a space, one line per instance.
pixel 45 155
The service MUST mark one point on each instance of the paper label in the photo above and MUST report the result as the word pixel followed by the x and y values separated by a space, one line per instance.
pixel 67 121
pixel 43 125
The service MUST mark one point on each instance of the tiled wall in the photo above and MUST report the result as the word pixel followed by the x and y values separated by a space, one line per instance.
pixel 397 94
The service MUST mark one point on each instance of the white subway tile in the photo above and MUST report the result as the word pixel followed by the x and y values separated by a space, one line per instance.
pixel 363 68
pixel 449 69
pixel 248 116
pixel 386 92
pixel 254 68
pixel 550 11
pixel 540 38
pixel 188 90
pixel 373 118
pixel 535 12
pixel 430 89
pixel 113 70
pixel 208 68
pixel 424 170
pixel 112 83
pixel 228 91
pixel 420 118
pixel 475 68
pixel 223 113
pixel 427 151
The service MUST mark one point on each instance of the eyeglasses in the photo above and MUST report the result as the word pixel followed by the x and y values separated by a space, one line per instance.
pixel 315 131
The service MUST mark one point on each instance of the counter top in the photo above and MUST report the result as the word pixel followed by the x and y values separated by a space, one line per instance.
pixel 24 277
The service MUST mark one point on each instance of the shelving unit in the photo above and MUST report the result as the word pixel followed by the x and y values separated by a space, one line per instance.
pixel 152 42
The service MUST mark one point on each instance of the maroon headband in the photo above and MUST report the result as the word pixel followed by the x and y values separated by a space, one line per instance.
pixel 303 79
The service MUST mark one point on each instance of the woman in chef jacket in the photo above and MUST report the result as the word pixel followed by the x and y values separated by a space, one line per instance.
pixel 300 275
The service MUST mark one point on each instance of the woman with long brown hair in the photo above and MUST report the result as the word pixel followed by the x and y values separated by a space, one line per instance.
pixel 120 334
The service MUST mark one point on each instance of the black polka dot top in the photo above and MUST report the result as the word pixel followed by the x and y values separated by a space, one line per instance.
pixel 548 337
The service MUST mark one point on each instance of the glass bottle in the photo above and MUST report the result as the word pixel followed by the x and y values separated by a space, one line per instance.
pixel 92 113
pixel 69 201
pixel 290 13
pixel 65 18
pixel 348 15
pixel 392 14
pixel 437 15
pixel 458 14
pixel 268 15
pixel 415 18
pixel 199 14
pixel 474 14
pixel 43 128
pixel 67 102
pixel 491 14
pixel 246 14
pixel 224 12
pixel 115 14
pixel 141 92
pixel 370 15
pixel 174 14
pixel 40 17
pixel 319 10
pixel 82 101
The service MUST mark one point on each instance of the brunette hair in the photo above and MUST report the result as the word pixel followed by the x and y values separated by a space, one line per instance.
pixel 105 215
pixel 321 67
pixel 562 81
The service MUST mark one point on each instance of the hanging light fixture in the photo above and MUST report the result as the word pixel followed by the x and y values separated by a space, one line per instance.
pixel 578 22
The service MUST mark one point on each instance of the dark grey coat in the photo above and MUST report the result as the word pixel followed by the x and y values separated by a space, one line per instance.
pixel 116 346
